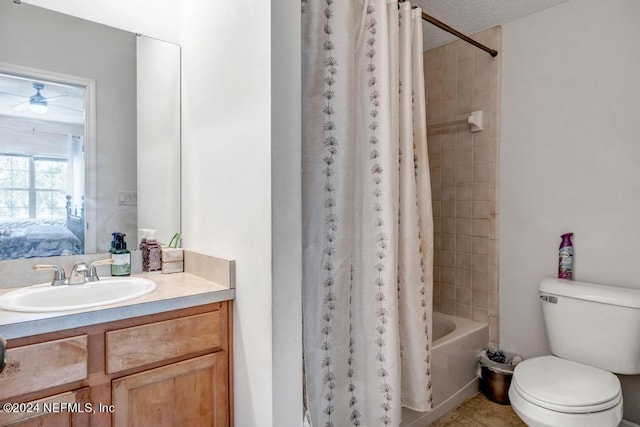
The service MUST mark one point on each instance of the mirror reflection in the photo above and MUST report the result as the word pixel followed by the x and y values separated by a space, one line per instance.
pixel 42 166
pixel 73 128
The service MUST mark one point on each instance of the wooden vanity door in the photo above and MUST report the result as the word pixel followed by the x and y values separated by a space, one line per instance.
pixel 189 393
pixel 75 415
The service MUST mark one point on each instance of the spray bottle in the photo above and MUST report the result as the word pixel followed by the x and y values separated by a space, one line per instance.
pixel 565 260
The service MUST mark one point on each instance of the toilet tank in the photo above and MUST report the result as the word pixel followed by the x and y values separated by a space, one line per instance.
pixel 593 324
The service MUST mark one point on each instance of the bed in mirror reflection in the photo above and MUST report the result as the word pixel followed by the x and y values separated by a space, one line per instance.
pixel 43 237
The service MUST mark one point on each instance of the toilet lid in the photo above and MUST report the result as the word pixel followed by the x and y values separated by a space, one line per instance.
pixel 566 386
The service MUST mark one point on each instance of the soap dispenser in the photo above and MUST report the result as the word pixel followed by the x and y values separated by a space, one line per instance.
pixel 113 242
pixel 121 256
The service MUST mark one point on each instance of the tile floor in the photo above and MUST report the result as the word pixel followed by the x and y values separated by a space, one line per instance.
pixel 480 412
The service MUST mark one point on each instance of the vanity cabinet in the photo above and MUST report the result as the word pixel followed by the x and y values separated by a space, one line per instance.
pixel 166 369
pixel 193 392
pixel 189 393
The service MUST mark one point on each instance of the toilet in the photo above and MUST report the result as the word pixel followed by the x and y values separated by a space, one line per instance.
pixel 593 331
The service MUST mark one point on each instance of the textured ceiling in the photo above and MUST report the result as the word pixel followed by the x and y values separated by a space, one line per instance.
pixel 471 16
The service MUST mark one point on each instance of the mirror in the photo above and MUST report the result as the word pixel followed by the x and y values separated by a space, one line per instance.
pixel 126 135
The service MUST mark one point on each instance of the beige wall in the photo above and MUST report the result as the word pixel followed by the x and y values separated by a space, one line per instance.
pixel 464 166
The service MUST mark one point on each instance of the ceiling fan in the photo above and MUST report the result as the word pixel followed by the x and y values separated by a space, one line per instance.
pixel 36 103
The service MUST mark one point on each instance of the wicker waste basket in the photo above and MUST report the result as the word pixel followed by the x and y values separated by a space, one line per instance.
pixel 496 371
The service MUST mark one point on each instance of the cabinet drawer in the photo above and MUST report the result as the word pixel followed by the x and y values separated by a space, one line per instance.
pixel 41 366
pixel 142 345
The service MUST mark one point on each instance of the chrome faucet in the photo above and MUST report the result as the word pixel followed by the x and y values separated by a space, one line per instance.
pixel 78 274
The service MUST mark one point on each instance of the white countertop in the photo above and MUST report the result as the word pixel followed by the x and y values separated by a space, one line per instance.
pixel 174 291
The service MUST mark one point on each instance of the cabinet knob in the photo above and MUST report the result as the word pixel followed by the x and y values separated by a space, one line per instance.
pixel 3 348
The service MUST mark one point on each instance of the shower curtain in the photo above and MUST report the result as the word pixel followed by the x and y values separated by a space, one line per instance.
pixel 367 220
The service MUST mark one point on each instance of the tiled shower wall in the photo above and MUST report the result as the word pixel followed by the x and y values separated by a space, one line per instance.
pixel 464 177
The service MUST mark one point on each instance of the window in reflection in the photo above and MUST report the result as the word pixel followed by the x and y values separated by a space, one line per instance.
pixel 42 167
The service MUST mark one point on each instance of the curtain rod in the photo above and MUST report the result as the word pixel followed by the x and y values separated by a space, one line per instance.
pixel 455 32
pixel 458 34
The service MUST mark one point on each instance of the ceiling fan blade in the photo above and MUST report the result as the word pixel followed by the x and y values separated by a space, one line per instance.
pixel 22 107
pixel 13 94
pixel 66 108
pixel 55 97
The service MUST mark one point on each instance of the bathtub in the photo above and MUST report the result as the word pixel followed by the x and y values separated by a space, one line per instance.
pixel 454 374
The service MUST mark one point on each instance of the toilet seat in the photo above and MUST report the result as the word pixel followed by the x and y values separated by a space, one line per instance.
pixel 565 386
pixel 551 392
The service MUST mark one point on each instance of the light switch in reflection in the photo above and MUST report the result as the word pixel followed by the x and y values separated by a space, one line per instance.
pixel 129 198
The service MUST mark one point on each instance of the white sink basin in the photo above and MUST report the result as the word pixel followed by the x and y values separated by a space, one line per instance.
pixel 46 298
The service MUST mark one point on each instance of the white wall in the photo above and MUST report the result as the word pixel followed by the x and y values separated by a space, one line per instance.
pixel 226 203
pixel 227 167
pixel 570 158
pixel 286 206
pixel 154 18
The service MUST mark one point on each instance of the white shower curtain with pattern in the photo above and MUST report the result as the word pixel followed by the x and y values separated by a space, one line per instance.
pixel 367 219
